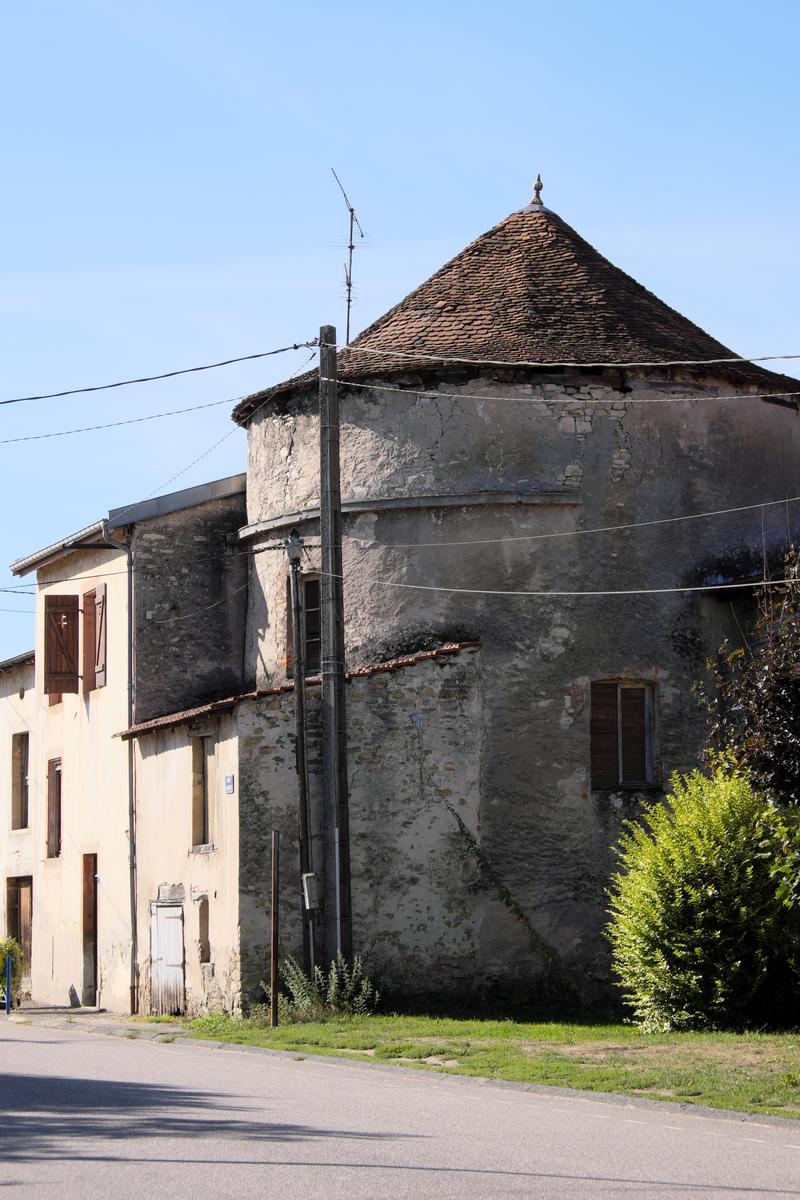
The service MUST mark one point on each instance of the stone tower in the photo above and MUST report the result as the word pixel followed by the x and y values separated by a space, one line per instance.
pixel 499 426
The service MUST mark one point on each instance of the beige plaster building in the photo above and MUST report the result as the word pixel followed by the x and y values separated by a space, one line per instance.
pixel 109 650
pixel 17 717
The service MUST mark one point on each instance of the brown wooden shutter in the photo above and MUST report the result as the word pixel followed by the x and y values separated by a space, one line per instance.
pixel 100 636
pixel 604 735
pixel 61 638
pixel 633 710
pixel 89 647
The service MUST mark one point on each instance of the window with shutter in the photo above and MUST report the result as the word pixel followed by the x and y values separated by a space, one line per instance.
pixel 312 628
pixel 54 808
pixel 100 636
pixel 61 637
pixel 88 656
pixel 19 780
pixel 622 734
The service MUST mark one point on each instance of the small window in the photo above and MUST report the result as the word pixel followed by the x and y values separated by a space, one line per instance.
pixel 203 941
pixel 54 808
pixel 312 628
pixel 20 744
pixel 202 789
pixel 622 734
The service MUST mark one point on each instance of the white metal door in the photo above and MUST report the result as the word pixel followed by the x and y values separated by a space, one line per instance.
pixel 166 958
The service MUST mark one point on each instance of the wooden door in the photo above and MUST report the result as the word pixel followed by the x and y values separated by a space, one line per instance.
pixel 89 996
pixel 166 959
pixel 25 925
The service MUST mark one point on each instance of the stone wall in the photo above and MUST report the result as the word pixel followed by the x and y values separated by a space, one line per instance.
pixel 417 900
pixel 494 495
pixel 190 604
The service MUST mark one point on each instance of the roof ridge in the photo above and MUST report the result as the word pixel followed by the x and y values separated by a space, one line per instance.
pixel 171 720
pixel 532 290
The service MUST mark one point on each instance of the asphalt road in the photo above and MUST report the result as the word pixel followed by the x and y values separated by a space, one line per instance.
pixel 84 1115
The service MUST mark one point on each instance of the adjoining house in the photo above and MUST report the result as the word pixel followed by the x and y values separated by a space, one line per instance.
pixel 117 639
pixel 17 711
pixel 557 495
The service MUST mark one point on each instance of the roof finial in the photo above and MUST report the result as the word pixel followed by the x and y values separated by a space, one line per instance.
pixel 537 192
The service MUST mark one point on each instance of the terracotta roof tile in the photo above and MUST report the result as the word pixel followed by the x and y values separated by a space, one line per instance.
pixel 531 290
pixel 170 720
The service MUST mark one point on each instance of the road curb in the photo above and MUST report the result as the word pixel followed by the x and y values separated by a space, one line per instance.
pixel 169 1035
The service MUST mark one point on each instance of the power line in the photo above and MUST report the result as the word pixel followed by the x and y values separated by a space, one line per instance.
pixel 562 398
pixel 219 442
pixel 174 412
pixel 103 387
pixel 30 611
pixel 389 352
pixel 537 537
pixel 706 587
pixel 161 486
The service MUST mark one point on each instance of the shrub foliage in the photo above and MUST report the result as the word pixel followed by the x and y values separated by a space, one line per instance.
pixel 703 928
pixel 753 702
pixel 342 990
pixel 12 948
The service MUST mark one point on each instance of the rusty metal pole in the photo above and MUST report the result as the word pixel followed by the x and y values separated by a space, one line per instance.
pixel 273 953
pixel 334 721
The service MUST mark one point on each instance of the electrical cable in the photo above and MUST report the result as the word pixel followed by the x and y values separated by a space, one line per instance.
pixel 24 588
pixel 123 511
pixel 389 352
pixel 706 587
pixel 103 387
pixel 537 537
pixel 560 399
pixel 174 412
pixel 219 442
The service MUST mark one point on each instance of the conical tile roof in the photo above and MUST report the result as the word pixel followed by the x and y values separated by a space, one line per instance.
pixel 532 290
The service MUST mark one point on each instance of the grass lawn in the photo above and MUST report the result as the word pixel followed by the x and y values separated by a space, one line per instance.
pixel 749 1072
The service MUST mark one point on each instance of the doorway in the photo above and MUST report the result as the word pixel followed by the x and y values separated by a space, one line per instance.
pixel 166 959
pixel 19 922
pixel 89 908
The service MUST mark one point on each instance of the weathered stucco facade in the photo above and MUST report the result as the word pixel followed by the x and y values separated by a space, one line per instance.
pixel 92 898
pixel 557 495
pixel 472 497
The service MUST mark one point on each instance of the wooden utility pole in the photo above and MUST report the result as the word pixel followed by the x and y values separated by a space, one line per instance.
pixel 294 548
pixel 274 927
pixel 334 727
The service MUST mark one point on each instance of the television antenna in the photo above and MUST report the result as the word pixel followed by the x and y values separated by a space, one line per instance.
pixel 348 268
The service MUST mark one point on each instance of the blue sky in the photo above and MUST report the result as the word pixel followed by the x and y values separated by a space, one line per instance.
pixel 167 197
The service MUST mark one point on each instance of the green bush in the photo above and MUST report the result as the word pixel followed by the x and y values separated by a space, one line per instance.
pixel 343 990
pixel 8 946
pixel 703 928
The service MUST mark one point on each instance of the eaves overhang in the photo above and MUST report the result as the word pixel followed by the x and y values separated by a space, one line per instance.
pixel 19 660
pixel 48 554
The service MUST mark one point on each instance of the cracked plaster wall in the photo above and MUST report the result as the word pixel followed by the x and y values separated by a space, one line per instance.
pixel 591 459
pixel 418 904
